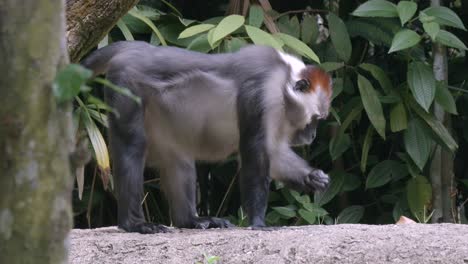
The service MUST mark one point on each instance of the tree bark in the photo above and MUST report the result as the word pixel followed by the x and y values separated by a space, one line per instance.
pixel 88 21
pixel 441 173
pixel 35 134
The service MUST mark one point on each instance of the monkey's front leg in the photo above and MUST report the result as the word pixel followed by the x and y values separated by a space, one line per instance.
pixel 295 173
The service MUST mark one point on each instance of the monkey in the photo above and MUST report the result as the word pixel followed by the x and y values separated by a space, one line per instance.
pixel 257 102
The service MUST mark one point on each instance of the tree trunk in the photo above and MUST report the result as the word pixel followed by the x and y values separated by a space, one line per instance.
pixel 35 134
pixel 441 172
pixel 88 21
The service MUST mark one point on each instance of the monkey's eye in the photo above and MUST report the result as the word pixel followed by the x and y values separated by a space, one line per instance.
pixel 302 85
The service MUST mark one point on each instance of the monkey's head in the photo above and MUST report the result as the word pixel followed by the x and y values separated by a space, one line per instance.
pixel 308 101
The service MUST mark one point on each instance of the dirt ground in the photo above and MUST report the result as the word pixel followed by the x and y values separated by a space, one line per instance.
pixel 409 243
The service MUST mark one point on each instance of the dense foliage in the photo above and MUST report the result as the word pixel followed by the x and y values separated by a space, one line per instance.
pixel 380 138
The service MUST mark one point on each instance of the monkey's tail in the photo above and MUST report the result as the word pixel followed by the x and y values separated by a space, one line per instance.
pixel 98 61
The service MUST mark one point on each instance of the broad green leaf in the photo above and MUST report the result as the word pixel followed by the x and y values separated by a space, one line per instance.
pixel 255 16
pixel 351 182
pixel 298 46
pixel 448 39
pixel 228 25
pixel 437 127
pixel 124 29
pixel 353 115
pixel 137 14
pixel 331 66
pixel 154 40
pixel 337 87
pixel 445 99
pixel 376 8
pixel 338 145
pixel 295 27
pixel 336 184
pixel 404 39
pixel 366 147
pixel 273 217
pixel 339 37
pixel 302 199
pixel 406 10
pixel 285 212
pixel 261 37
pixel 69 81
pixel 288 26
pixel 368 29
pixel 419 195
pixel 316 209
pixel 398 118
pixel 422 83
pixel 351 215
pixel 372 105
pixel 234 44
pixel 384 172
pixel 418 142
pixel 118 89
pixel 432 29
pixel 309 29
pixel 309 217
pixel 444 16
pixel 194 30
pixel 200 44
pixel 379 75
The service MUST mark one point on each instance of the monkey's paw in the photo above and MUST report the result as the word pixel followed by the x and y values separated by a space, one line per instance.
pixel 147 228
pixel 317 180
pixel 210 222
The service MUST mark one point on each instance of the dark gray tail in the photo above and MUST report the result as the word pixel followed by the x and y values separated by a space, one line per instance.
pixel 98 61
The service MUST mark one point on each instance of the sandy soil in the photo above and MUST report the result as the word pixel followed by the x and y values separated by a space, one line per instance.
pixel 410 243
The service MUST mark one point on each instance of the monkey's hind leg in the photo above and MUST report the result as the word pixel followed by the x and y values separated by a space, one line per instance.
pixel 178 179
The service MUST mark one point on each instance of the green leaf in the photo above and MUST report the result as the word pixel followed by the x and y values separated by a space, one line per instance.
pixel 419 195
pixel 261 37
pixel 200 44
pixel 422 83
pixel 255 16
pixel 331 66
pixel 351 215
pixel 336 184
pixel 309 29
pixel 137 14
pixel 437 127
pixel 370 30
pixel 444 16
pixel 376 8
pixel 372 105
pixel 379 75
pixel 445 99
pixel 366 147
pixel 285 212
pixel 384 172
pixel 192 31
pixel 228 25
pixel 432 29
pixel 309 217
pixel 418 143
pixel 234 44
pixel 339 37
pixel 404 39
pixel 124 29
pixel 398 118
pixel 298 46
pixel 118 89
pixel 69 81
pixel 316 209
pixel 351 182
pixel 338 145
pixel 406 10
pixel 448 39
pixel 295 27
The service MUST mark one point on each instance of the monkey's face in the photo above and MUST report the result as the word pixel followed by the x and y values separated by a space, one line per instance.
pixel 313 92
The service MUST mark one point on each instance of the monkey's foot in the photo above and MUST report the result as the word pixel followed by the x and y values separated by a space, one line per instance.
pixel 146 228
pixel 317 180
pixel 210 222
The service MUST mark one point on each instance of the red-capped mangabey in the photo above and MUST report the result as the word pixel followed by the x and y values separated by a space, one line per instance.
pixel 257 102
